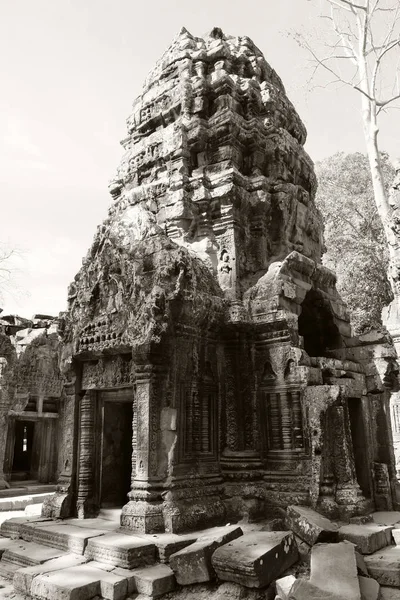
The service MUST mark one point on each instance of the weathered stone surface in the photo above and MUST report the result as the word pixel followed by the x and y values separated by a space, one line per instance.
pixel 361 565
pixel 193 563
pixel 304 590
pixel 389 593
pixel 384 566
pixel 369 588
pixel 74 583
pixel 304 549
pixel 29 553
pixel 310 526
pixel 121 550
pixel 169 543
pixel 368 538
pixel 256 559
pixel 113 586
pixel 334 570
pixel 284 585
pixel 59 535
pixel 154 581
pixel 23 577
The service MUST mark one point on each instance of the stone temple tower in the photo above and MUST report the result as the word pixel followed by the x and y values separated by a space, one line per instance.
pixel 210 372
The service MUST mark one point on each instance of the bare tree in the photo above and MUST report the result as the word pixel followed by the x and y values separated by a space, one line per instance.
pixel 8 270
pixel 361 49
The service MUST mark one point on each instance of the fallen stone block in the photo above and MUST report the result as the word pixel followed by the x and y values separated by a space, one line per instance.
pixel 129 576
pixel 369 588
pixel 389 593
pixel 304 549
pixel 361 519
pixel 112 586
pixel 310 526
pixel 334 570
pixel 23 577
pixel 368 538
pixel 284 585
pixel 154 581
pixel 384 566
pixel 169 543
pixel 256 559
pixel 304 590
pixel 76 583
pixel 193 563
pixel 386 517
pixel 361 566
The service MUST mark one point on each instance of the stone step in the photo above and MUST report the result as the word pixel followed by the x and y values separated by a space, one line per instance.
pixel 12 527
pixel 7 570
pixel 82 582
pixel 154 581
pixel 384 566
pixel 59 535
pixel 256 559
pixel 334 570
pixel 27 554
pixel 21 502
pixel 23 577
pixel 368 538
pixel 121 550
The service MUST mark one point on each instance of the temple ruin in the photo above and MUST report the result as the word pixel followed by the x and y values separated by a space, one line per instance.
pixel 30 400
pixel 209 371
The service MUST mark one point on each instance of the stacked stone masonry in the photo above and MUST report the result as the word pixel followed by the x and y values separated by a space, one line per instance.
pixel 209 372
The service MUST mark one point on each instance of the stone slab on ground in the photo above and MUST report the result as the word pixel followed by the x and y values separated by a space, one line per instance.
pixel 59 535
pixel 154 581
pixel 129 576
pixel 256 559
pixel 121 550
pixel 389 593
pixel 304 590
pixel 284 585
pixel 334 570
pixel 23 577
pixel 384 566
pixel 369 588
pixel 11 527
pixel 97 523
pixel 74 583
pixel 310 526
pixel 112 586
pixel 4 544
pixel 368 538
pixel 169 543
pixel 27 554
pixel 193 563
pixel 386 517
pixel 7 569
pixel 21 502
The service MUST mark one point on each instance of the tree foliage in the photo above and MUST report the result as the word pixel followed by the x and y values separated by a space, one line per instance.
pixel 356 247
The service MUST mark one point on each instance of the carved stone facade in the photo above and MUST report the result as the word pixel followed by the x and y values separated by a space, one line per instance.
pixel 31 402
pixel 203 317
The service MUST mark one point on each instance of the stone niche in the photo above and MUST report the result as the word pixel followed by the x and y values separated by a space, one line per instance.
pixel 205 345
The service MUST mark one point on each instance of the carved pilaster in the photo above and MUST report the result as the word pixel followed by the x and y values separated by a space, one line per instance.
pixel 60 506
pixel 143 512
pixel 86 475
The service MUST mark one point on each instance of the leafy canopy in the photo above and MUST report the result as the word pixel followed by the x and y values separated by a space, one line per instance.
pixel 356 247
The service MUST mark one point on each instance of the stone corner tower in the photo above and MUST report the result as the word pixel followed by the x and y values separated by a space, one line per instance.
pixel 206 350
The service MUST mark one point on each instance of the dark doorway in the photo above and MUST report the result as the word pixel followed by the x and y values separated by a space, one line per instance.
pixel 24 433
pixel 317 326
pixel 359 445
pixel 116 453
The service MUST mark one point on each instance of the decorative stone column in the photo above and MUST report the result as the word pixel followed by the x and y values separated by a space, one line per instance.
pixel 349 496
pixel 60 505
pixel 85 496
pixel 143 512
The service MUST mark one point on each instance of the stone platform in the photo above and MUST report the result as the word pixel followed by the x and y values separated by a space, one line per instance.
pixel 95 558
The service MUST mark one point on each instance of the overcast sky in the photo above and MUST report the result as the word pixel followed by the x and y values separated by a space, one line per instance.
pixel 70 70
